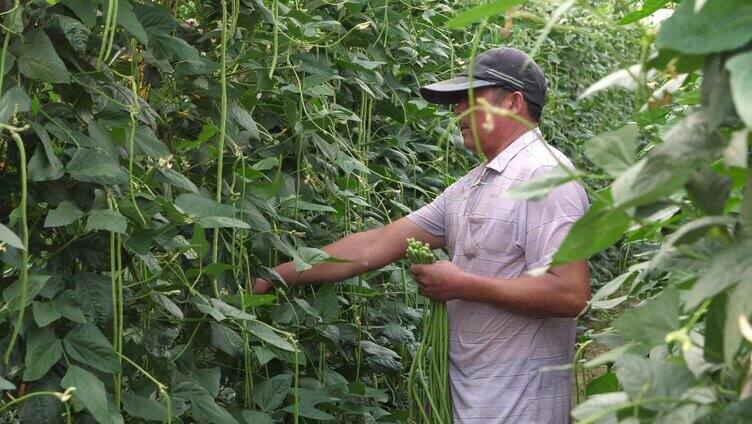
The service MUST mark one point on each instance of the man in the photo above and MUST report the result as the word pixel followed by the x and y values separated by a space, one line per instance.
pixel 506 328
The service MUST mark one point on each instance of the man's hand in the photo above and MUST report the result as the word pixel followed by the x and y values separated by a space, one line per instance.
pixel 440 281
pixel 261 286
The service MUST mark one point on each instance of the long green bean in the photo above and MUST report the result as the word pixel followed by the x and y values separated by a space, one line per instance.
pixel 436 393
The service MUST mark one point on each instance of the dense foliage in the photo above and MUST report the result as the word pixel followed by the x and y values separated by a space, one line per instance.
pixel 157 156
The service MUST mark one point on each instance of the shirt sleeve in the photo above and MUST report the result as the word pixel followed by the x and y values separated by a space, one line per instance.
pixel 545 223
pixel 432 217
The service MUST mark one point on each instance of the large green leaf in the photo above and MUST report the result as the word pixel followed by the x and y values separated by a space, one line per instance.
pixel 483 11
pixel 598 229
pixel 66 213
pixel 650 322
pixel 270 393
pixel 146 143
pixel 265 333
pixel 38 59
pixel 106 220
pixel 84 10
pixel 8 236
pixel 614 151
pixel 96 166
pixel 94 295
pixel 740 67
pixel 648 8
pixel 44 165
pixel 698 32
pixel 644 378
pixel 91 393
pixel 13 101
pixel 43 350
pixel 204 409
pixel 41 409
pixel 130 22
pixel 88 345
pixel 728 267
pixel 668 165
pixel 144 408
pixel 44 313
pixel 541 185
pixel 739 303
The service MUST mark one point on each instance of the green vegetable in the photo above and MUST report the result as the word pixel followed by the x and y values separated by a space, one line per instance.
pixel 432 385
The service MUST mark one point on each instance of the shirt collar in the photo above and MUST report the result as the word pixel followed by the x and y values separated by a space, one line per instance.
pixel 502 159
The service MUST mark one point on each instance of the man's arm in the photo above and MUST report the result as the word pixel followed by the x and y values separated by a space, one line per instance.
pixel 364 251
pixel 563 291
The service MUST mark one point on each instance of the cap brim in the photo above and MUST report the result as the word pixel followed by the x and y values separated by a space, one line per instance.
pixel 452 90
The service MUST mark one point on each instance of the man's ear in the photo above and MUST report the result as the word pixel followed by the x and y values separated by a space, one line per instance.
pixel 517 104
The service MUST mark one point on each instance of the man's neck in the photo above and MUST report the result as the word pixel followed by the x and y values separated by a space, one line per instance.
pixel 505 141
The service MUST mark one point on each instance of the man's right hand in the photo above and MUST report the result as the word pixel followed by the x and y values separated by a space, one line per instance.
pixel 261 286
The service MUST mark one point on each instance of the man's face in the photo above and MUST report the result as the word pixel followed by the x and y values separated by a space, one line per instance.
pixel 490 127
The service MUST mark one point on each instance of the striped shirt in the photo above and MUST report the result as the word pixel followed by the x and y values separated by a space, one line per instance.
pixel 498 359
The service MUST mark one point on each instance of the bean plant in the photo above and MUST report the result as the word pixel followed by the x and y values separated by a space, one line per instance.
pixel 157 156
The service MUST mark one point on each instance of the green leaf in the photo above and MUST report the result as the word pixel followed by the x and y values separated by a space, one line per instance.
pixel 144 408
pixel 245 120
pixel 225 339
pixel 697 32
pixel 44 165
pixel 8 236
pixel 43 350
pixel 265 333
pixel 222 222
pixel 715 320
pixel 146 143
pixel 41 409
pixel 13 101
pixel 66 213
pixel 310 256
pixel 541 185
pixel 727 267
pixel 128 20
pixel 270 393
pixel 76 32
pixel 598 229
pixel 740 67
pixel 205 409
pixel 614 151
pixel 739 303
pixel 39 60
pixel 256 417
pixel 596 407
pixel 687 145
pixel 168 304
pixel 44 313
pixel 91 393
pixel 107 220
pixel 88 345
pixel 94 295
pixel 478 13
pixel 647 9
pixel 605 383
pixel 96 166
pixel 200 206
pixel 650 322
pixel 65 303
pixel 6 385
pixel 84 10
pixel 644 378
pixel 176 179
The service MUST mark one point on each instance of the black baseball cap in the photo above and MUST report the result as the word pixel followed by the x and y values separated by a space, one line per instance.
pixel 505 67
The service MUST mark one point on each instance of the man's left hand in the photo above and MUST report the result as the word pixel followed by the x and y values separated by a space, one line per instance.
pixel 441 280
